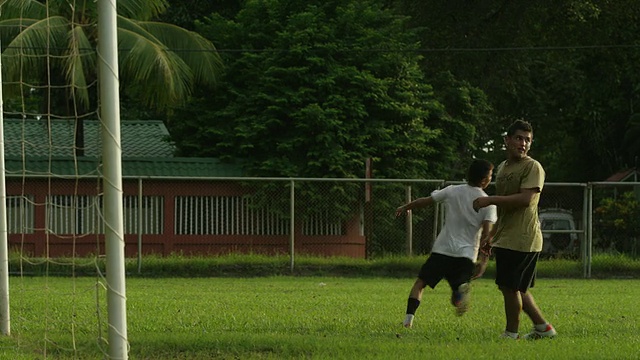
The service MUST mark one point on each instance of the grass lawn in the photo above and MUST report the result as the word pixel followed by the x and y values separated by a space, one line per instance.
pixel 314 317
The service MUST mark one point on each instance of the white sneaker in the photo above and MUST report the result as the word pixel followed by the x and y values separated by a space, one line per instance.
pixel 504 335
pixel 408 321
pixel 461 299
pixel 549 333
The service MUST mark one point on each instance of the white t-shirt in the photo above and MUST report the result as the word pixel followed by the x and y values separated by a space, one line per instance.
pixel 462 225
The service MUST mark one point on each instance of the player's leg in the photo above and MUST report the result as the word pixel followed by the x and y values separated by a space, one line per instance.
pixel 417 289
pixel 512 309
pixel 429 275
pixel 541 328
pixel 415 297
pixel 459 272
pixel 515 273
pixel 532 310
pixel 460 298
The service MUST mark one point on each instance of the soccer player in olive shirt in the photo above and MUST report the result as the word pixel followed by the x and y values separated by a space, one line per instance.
pixel 517 238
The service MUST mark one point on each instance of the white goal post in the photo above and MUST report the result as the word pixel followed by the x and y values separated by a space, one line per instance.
pixel 112 178
pixel 109 114
pixel 5 323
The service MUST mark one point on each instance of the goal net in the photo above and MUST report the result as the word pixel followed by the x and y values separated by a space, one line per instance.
pixel 60 186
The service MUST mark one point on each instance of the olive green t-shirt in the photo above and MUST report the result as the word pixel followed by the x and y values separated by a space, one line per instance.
pixel 519 228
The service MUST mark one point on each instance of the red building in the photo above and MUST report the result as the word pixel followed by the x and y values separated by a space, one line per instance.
pixel 192 206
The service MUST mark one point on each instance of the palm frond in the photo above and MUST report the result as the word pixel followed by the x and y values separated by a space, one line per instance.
pixel 12 27
pixel 142 9
pixel 10 9
pixel 41 36
pixel 28 52
pixel 79 64
pixel 196 51
pixel 145 60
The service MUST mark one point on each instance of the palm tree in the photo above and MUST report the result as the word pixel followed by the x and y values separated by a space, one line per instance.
pixel 52 44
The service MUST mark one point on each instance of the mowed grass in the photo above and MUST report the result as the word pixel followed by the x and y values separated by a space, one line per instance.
pixel 314 318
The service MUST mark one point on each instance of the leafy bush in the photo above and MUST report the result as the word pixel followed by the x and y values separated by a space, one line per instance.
pixel 618 220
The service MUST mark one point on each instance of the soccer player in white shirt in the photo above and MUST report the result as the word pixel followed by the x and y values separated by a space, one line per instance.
pixel 455 250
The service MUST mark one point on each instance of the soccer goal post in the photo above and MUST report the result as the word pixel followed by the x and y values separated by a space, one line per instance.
pixel 47 205
pixel 5 326
pixel 112 178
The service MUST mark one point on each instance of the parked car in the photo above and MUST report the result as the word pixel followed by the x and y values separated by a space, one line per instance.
pixel 554 243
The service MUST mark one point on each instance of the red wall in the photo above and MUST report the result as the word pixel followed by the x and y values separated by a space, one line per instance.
pixel 40 243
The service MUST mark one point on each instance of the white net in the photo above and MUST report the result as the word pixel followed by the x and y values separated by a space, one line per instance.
pixel 52 132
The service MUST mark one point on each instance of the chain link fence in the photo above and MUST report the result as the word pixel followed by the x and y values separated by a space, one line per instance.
pixel 582 224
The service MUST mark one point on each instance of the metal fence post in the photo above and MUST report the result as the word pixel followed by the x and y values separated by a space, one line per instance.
pixel 140 217
pixel 292 226
pixel 436 216
pixel 589 245
pixel 587 230
pixel 409 222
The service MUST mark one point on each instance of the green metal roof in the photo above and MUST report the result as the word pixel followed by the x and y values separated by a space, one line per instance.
pixel 31 149
pixel 138 167
pixel 34 138
pixel 180 166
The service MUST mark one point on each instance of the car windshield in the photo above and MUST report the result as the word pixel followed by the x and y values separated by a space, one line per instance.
pixel 556 224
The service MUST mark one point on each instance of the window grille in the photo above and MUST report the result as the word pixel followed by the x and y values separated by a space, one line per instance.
pixel 225 215
pixel 20 214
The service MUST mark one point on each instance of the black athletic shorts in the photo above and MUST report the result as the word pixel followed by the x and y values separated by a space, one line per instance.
pixel 456 270
pixel 515 270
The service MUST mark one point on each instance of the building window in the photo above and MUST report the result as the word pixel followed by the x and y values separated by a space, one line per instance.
pixel 145 219
pixel 20 218
pixel 74 214
pixel 322 224
pixel 226 215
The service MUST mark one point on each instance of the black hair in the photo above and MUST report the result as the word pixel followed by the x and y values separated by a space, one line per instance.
pixel 519 125
pixel 478 170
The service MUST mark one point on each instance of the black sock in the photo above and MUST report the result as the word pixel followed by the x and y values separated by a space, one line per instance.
pixel 412 305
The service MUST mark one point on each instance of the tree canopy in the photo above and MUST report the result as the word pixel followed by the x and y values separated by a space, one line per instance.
pixel 569 67
pixel 314 88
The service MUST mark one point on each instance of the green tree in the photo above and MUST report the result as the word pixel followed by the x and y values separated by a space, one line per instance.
pixel 52 45
pixel 186 13
pixel 314 88
pixel 618 220
pixel 567 66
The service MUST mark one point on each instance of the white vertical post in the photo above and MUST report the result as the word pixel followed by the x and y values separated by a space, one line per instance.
pixel 587 272
pixel 4 246
pixel 140 229
pixel 292 226
pixel 409 222
pixel 436 218
pixel 112 178
pixel 585 228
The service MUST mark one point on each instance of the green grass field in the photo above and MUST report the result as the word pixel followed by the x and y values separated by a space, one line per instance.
pixel 314 318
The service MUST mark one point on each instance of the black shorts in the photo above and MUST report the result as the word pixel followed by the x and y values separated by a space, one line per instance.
pixel 457 270
pixel 515 270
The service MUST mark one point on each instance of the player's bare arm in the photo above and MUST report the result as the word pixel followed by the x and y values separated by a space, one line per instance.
pixel 485 250
pixel 521 199
pixel 415 204
pixel 486 235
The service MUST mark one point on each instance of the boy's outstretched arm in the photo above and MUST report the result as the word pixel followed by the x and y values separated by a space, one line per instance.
pixel 415 204
pixel 521 199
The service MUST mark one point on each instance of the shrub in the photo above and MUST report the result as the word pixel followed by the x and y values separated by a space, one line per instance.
pixel 618 220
